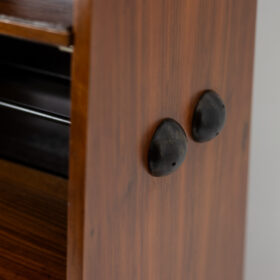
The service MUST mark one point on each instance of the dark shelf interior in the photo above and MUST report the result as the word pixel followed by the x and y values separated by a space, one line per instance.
pixel 36 76
pixel 34 142
pixel 35 56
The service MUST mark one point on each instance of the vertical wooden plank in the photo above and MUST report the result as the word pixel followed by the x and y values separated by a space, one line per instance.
pixel 151 60
pixel 79 116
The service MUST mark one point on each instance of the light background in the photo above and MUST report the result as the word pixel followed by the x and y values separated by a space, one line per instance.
pixel 263 217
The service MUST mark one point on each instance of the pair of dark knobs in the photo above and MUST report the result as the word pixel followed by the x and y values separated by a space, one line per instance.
pixel 168 147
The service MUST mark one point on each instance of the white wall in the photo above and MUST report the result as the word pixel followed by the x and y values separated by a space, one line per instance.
pixel 263 229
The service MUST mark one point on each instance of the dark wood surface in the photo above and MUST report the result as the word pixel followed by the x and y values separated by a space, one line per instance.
pixel 151 60
pixel 33 210
pixel 49 11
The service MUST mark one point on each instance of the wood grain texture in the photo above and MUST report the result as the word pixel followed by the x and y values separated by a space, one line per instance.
pixel 33 210
pixel 78 137
pixel 51 11
pixel 151 60
pixel 29 30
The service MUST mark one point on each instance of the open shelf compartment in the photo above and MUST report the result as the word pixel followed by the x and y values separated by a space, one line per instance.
pixel 34 159
pixel 35 77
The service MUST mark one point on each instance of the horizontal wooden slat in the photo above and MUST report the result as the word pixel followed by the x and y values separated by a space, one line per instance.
pixel 42 32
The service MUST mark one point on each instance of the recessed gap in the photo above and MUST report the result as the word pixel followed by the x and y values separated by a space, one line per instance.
pixel 35 76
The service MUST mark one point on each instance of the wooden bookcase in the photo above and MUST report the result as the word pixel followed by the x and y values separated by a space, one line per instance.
pixel 76 199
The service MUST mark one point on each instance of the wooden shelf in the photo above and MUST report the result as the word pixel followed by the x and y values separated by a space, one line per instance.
pixel 52 11
pixel 35 31
pixel 33 222
pixel 37 20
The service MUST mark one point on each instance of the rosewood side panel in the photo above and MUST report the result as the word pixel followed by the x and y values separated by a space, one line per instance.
pixel 135 63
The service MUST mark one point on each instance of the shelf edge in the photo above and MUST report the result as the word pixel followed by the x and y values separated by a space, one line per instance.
pixel 40 32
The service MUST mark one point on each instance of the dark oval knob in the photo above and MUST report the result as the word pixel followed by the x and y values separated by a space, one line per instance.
pixel 168 148
pixel 209 117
